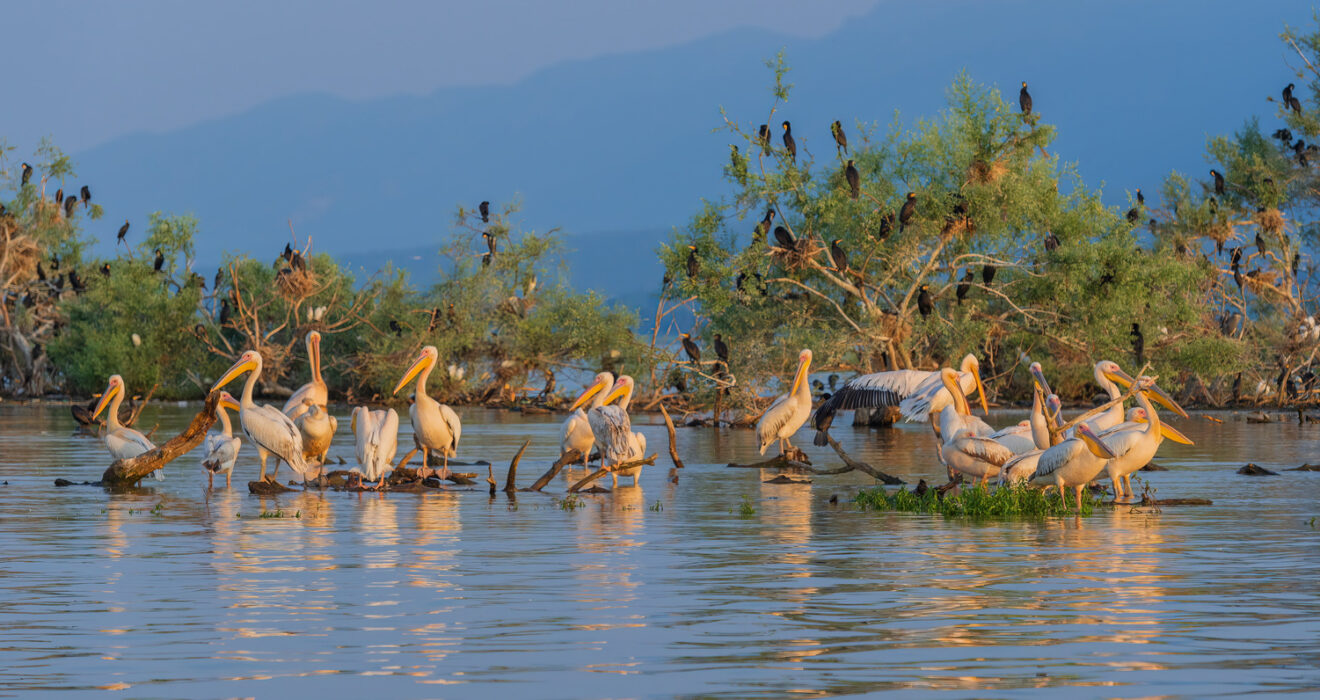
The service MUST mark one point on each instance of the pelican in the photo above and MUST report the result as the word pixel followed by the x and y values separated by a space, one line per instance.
pixel 919 395
pixel 1109 377
pixel 1022 467
pixel 790 411
pixel 1033 433
pixel 318 429
pixel 1073 462
pixel 435 425
pixel 315 392
pixel 270 430
pixel 577 431
pixel 1134 447
pixel 966 448
pixel 377 434
pixel 613 431
pixel 221 446
pixel 123 443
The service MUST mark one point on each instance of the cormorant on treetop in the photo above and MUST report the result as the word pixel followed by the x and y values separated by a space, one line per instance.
pixel 789 144
pixel 27 174
pixel 160 260
pixel 721 350
pixel 693 262
pixel 763 227
pixel 1141 198
pixel 1219 182
pixel 987 274
pixel 693 352
pixel 86 194
pixel 785 239
pixel 763 135
pixel 840 138
pixel 839 256
pixel 908 211
pixel 964 285
pixel 123 231
pixel 886 225
pixel 1024 99
pixel 484 208
pixel 854 179
pixel 105 269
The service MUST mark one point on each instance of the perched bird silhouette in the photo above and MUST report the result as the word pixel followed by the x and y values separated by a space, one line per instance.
pixel 839 256
pixel 964 285
pixel 721 350
pixel 987 274
pixel 27 174
pixel 854 179
pixel 763 227
pixel 693 262
pixel 1024 99
pixel 160 260
pixel 86 194
pixel 690 347
pixel 785 239
pixel 1219 182
pixel 924 303
pixel 763 135
pixel 790 144
pixel 908 211
pixel 840 138
pixel 484 208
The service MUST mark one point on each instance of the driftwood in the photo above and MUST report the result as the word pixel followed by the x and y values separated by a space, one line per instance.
pixel 1256 470
pixel 849 465
pixel 1161 502
pixel 786 479
pixel 673 438
pixel 1305 468
pixel 776 462
pixel 267 488
pixel 127 472
pixel 606 470
pixel 862 466
pixel 569 457
pixel 511 481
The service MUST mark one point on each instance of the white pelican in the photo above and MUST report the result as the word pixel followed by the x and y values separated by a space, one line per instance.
pixel 318 429
pixel 614 434
pixel 1033 433
pixel 1109 377
pixel 919 395
pixel 377 434
pixel 123 442
pixel 435 425
pixel 790 411
pixel 271 431
pixel 577 431
pixel 221 446
pixel 1073 462
pixel 1022 467
pixel 966 449
pixel 315 392
pixel 1134 447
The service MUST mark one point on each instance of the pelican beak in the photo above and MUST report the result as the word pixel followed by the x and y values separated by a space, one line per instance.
pixel 980 389
pixel 1093 442
pixel 109 394
pixel 591 391
pixel 1119 376
pixel 1172 433
pixel 243 365
pixel 227 401
pixel 1052 408
pixel 1158 395
pixel 1038 376
pixel 352 422
pixel 618 392
pixel 417 366
pixel 804 368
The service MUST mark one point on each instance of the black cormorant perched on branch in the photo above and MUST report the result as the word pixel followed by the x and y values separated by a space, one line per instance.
pixel 784 239
pixel 160 260
pixel 690 347
pixel 1290 101
pixel 1219 182
pixel 484 208
pixel 1141 198
pixel 105 269
pixel 839 256
pixel 763 135
pixel 987 274
pixel 398 330
pixel 854 179
pixel 964 285
pixel 69 203
pixel 840 138
pixel 1024 99
pixel 721 350
pixel 763 228
pixel 1051 242
pixel 924 303
pixel 886 225
pixel 908 211
pixel 693 262
pixel 790 144
pixel 123 231
pixel 27 174
pixel 86 194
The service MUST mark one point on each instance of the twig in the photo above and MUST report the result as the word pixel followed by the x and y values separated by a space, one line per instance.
pixel 673 438
pixel 510 484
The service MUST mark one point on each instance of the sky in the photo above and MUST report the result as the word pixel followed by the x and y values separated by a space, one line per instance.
pixel 108 69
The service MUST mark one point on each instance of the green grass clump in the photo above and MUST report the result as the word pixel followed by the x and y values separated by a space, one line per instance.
pixel 1018 501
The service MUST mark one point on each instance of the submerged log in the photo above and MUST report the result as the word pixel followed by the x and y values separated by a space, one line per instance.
pixel 673 438
pixel 776 462
pixel 570 457
pixel 511 481
pixel 127 472
pixel 862 466
pixel 1256 470
pixel 786 479
pixel 606 470
pixel 1305 468
pixel 267 488
pixel 1161 502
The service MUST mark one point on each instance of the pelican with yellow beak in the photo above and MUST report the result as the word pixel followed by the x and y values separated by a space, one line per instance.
pixel 577 429
pixel 435 425
pixel 1073 463
pixel 613 432
pixel 315 392
pixel 967 447
pixel 919 395
pixel 221 446
pixel 267 427
pixel 1110 377
pixel 377 434
pixel 1135 447
pixel 789 412
pixel 123 442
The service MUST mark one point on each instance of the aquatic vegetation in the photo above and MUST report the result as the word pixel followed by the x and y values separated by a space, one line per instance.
pixel 1019 501
pixel 279 513
pixel 746 509
pixel 657 507
pixel 570 502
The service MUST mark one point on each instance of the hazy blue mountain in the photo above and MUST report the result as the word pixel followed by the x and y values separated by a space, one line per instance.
pixel 618 150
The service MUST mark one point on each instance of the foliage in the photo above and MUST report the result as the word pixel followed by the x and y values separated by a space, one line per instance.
pixel 1015 501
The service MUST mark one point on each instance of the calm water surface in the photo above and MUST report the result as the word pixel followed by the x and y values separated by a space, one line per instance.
pixel 661 590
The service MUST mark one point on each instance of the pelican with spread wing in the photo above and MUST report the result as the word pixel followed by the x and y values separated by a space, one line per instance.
pixel 919 395
pixel 221 446
pixel 267 427
pixel 123 442
pixel 435 425
pixel 789 412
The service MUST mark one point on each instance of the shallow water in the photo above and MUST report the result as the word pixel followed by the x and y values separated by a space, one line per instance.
pixel 666 589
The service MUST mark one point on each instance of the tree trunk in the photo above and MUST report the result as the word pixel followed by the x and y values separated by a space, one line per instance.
pixel 127 472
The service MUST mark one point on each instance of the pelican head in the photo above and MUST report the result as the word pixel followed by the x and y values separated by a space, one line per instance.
pixel 970 365
pixel 249 361
pixel 949 377
pixel 424 361
pixel 603 381
pixel 1038 378
pixel 1052 408
pixel 114 388
pixel 804 369
pixel 1093 442
pixel 1109 370
pixel 623 385
pixel 228 401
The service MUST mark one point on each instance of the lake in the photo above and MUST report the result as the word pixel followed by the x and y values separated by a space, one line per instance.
pixel 661 590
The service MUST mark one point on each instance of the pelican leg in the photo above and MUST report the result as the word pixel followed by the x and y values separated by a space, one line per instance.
pixel 444 468
pixel 425 471
pixel 615 477
pixel 228 475
pixel 1077 495
pixel 275 473
pixel 261 455
pixel 380 484
pixel 210 479
pixel 1127 480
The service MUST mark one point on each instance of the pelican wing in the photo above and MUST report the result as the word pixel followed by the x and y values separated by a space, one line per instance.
pixel 1021 467
pixel 1059 456
pixel 577 433
pixel 983 449
pixel 127 443
pixel 294 406
pixel 774 418
pixel 221 452
pixel 1018 440
pixel 363 427
pixel 387 437
pixel 275 432
pixel 1120 442
pixel 881 389
pixel 613 431
pixel 455 426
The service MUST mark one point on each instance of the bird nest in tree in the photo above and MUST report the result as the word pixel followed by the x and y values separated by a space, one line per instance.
pixel 985 173
pixel 1220 233
pixel 21 254
pixel 797 258
pixel 295 284
pixel 1259 278
pixel 1270 220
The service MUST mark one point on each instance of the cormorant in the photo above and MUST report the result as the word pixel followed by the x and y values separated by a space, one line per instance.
pixel 762 228
pixel 77 282
pixel 785 239
pixel 1297 260
pixel 840 138
pixel 1237 256
pixel 1283 135
pixel 41 274
pixel 1237 275
pixel 485 259
pixel 693 262
pixel 1290 101
pixel 296 261
pixel 924 303
pixel 789 144
pixel 86 194
pixel 398 330
pixel 1138 345
pixel 1133 214
pixel 1024 99
pixel 105 269
pixel 854 179
pixel 490 241
pixel 886 225
pixel 27 174
pixel 1260 243
pixel 123 231
pixel 1141 198
pixel 1051 242
pixel 484 208
pixel 224 312
pixel 160 260
pixel 219 277
pixel 1219 182
pixel 69 203
pixel 690 347
pixel 839 256
pixel 55 262
pixel 908 211
pixel 763 135
pixel 59 197
pixel 721 350
pixel 987 274
pixel 964 285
